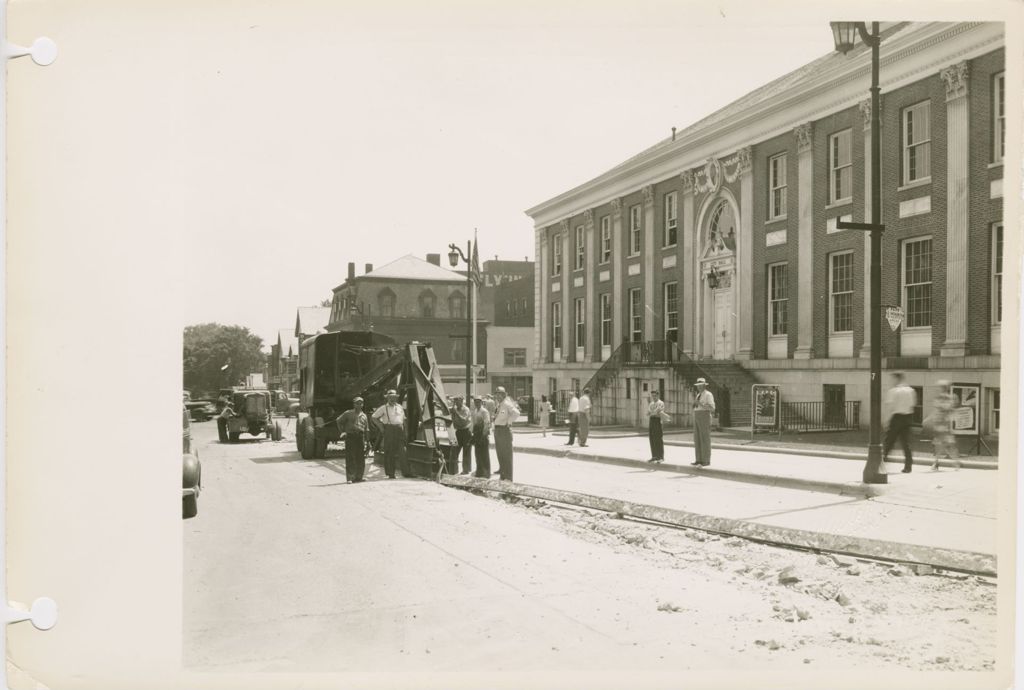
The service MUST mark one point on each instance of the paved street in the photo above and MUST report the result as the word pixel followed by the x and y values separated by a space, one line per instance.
pixel 289 568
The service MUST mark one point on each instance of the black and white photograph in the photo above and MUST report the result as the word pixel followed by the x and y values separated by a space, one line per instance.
pixel 528 345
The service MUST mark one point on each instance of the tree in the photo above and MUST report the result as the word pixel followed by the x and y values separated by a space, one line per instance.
pixel 218 356
pixel 327 302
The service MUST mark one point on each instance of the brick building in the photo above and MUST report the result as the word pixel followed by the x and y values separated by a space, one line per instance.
pixel 716 252
pixel 412 299
pixel 510 338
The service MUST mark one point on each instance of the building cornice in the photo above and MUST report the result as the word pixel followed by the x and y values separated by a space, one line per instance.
pixel 913 53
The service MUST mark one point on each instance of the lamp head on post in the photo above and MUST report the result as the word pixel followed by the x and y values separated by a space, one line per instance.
pixel 844 34
pixel 453 255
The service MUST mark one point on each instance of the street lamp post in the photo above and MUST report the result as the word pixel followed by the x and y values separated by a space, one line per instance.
pixel 844 34
pixel 454 254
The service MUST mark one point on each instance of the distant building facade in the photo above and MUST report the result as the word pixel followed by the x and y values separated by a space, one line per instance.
pixel 283 362
pixel 510 338
pixel 717 251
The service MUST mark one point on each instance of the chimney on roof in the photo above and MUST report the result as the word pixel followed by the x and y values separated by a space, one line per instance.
pixel 673 134
pixel 434 259
pixel 351 270
pixel 369 268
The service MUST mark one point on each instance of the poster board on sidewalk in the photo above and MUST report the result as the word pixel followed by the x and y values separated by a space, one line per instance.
pixel 966 421
pixel 765 409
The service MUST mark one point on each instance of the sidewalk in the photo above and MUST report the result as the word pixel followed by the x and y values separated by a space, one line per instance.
pixel 794 468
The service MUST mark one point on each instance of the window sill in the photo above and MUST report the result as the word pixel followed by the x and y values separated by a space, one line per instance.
pixel 915 329
pixel 783 336
pixel 839 204
pixel 670 246
pixel 775 220
pixel 997 164
pixel 633 256
pixel 915 184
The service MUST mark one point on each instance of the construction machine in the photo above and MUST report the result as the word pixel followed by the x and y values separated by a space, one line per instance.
pixel 335 368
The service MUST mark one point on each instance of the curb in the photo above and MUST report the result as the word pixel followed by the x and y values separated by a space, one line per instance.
pixel 978 563
pixel 852 488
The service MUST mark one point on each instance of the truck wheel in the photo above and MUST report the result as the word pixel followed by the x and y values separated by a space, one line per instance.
pixel 222 430
pixel 309 439
pixel 321 448
pixel 234 436
pixel 277 434
pixel 189 507
pixel 299 437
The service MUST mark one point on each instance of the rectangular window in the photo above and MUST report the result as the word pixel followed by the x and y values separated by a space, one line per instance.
pixel 778 299
pixel 999 117
pixel 581 255
pixel 917 282
pixel 917 143
pixel 917 417
pixel 672 312
pixel 515 356
pixel 634 230
pixel 636 315
pixel 629 389
pixel 671 220
pixel 997 273
pixel 606 320
pixel 840 281
pixel 606 239
pixel 556 325
pixel 458 349
pixel 993 425
pixel 556 255
pixel 552 386
pixel 777 186
pixel 575 383
pixel 581 329
pixel 840 167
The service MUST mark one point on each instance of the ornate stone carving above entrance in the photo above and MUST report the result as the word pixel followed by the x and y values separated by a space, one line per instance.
pixel 720 237
pixel 709 179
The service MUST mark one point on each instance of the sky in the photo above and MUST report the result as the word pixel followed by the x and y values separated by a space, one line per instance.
pixel 362 132
pixel 365 132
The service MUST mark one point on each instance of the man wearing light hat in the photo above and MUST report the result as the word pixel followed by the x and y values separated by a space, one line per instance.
pixel 390 417
pixel 353 424
pixel 703 408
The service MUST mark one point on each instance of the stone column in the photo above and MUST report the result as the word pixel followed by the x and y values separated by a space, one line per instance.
pixel 805 242
pixel 647 264
pixel 745 258
pixel 617 261
pixel 541 297
pixel 567 263
pixel 592 315
pixel 957 201
pixel 865 346
pixel 688 274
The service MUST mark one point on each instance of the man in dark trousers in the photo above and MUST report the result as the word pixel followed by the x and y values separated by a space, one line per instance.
pixel 463 423
pixel 481 433
pixel 900 400
pixel 354 424
pixel 390 417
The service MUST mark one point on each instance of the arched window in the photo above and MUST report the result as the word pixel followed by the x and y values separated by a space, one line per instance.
pixel 386 302
pixel 457 305
pixel 428 304
pixel 722 228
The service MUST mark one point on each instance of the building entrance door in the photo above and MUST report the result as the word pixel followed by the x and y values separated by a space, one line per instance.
pixel 722 323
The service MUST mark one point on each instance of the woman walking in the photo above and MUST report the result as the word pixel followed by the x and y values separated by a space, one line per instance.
pixel 943 441
pixel 655 416
pixel 545 414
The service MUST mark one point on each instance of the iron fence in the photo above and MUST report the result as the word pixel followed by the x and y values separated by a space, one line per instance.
pixel 820 416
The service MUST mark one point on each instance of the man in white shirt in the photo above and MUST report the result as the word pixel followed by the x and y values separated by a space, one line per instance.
pixel 574 417
pixel 584 417
pixel 390 418
pixel 703 410
pixel 505 414
pixel 901 400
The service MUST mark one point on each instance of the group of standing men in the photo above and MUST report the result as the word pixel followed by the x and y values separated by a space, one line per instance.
pixel 579 417
pixel 472 431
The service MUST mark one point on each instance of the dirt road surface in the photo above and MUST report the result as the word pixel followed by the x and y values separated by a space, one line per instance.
pixel 288 568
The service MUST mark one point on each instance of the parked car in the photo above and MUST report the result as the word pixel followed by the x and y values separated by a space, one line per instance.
pixel 202 410
pixel 191 470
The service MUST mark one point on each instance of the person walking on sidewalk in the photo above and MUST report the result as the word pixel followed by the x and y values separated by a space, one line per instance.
pixel 481 432
pixel 655 416
pixel 901 400
pixel 574 417
pixel 390 418
pixel 943 440
pixel 703 408
pixel 354 424
pixel 462 421
pixel 584 417
pixel 545 415
pixel 506 414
